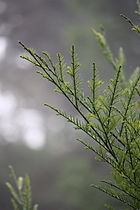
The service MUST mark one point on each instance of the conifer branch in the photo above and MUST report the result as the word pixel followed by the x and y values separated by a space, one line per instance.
pixel 110 118
pixel 74 69
pixel 129 103
pixel 21 197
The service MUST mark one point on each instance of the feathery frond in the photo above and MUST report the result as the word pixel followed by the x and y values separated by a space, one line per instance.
pixel 110 118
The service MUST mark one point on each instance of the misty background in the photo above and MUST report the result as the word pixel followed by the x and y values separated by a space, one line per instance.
pixel 32 138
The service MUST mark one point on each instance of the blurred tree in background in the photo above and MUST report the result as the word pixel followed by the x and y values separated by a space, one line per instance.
pixel 60 170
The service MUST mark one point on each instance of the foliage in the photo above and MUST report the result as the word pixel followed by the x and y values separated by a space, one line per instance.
pixel 21 197
pixel 111 118
pixel 134 27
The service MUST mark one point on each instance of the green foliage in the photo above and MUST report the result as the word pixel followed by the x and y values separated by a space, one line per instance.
pixel 134 27
pixel 111 118
pixel 21 197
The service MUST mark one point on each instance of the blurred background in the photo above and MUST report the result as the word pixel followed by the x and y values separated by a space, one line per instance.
pixel 32 139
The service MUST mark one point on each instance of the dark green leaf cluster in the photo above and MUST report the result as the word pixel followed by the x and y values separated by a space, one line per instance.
pixel 111 117
pixel 21 197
